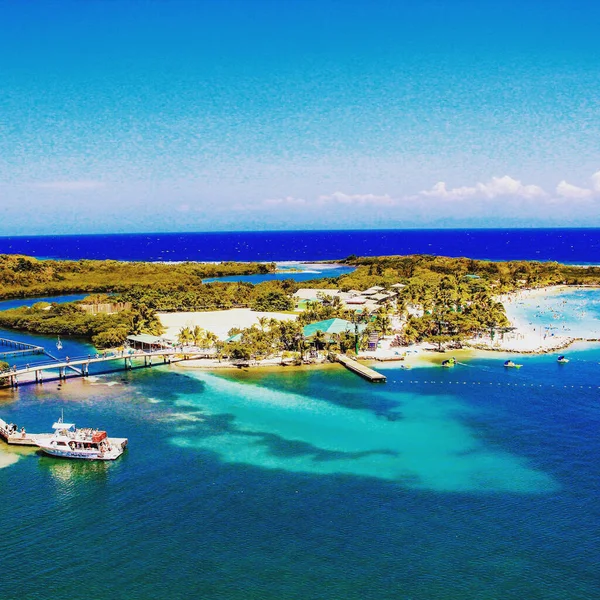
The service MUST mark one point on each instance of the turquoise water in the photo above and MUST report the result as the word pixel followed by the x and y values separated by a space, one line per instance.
pixel 469 483
pixel 295 271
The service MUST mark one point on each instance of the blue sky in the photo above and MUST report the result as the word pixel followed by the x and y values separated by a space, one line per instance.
pixel 263 114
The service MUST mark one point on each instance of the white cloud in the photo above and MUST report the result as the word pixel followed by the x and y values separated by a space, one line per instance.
pixel 496 187
pixel 439 190
pixel 288 201
pixel 270 203
pixel 567 190
pixel 69 186
pixel 512 192
pixel 342 198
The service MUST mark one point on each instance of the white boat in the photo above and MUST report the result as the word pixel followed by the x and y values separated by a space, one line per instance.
pixel 59 345
pixel 84 443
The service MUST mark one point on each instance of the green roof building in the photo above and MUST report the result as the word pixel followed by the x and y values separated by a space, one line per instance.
pixel 330 327
pixel 234 338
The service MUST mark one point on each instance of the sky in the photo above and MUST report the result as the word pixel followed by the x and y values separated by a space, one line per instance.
pixel 208 115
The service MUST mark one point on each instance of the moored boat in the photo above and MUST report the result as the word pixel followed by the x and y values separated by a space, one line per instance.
pixel 511 364
pixel 562 360
pixel 84 443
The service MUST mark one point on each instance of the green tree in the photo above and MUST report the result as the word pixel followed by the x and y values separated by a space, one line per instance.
pixel 273 301
pixel 110 338
pixel 185 336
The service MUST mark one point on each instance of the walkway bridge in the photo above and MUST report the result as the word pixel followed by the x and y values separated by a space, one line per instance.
pixel 12 348
pixel 80 366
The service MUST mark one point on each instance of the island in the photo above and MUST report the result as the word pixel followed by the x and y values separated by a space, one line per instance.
pixel 388 308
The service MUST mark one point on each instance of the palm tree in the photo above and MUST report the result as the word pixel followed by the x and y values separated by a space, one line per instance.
pixel 319 340
pixel 197 334
pixel 144 320
pixel 185 336
pixel 383 323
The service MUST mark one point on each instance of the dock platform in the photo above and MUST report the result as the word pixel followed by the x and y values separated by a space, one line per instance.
pixel 19 437
pixel 361 370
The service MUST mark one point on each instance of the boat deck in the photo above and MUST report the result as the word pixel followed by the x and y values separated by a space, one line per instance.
pixel 18 438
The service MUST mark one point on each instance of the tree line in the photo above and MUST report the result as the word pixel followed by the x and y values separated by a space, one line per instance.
pixel 443 299
pixel 104 330
pixel 27 277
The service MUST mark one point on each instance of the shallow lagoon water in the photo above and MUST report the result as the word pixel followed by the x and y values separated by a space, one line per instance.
pixel 419 442
pixel 295 271
pixel 469 483
pixel 443 484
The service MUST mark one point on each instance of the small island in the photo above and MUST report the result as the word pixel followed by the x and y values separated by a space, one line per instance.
pixel 386 306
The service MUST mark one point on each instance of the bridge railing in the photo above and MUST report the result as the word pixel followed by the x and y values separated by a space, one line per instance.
pixel 101 357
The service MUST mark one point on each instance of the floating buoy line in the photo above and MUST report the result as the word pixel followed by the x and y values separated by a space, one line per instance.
pixel 493 383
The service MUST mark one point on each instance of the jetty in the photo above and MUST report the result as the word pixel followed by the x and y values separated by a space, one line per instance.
pixel 13 348
pixel 80 366
pixel 361 370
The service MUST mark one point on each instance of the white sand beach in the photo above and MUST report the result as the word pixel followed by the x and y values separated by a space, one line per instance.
pixel 218 322
pixel 533 334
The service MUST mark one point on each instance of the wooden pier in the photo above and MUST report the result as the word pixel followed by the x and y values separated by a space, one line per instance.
pixel 18 348
pixel 361 370
pixel 61 370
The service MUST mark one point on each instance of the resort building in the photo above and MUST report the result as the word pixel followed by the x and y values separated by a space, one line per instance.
pixel 147 342
pixel 234 338
pixel 313 293
pixel 332 327
pixel 105 308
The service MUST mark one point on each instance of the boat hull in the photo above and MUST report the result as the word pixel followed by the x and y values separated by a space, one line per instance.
pixel 112 454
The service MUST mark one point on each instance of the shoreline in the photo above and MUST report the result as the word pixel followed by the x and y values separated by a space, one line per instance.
pixel 532 337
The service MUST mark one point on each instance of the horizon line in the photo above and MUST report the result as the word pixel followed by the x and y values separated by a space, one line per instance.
pixel 272 231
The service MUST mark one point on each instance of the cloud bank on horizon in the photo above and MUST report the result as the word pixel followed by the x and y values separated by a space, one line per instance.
pixel 263 115
pixel 497 187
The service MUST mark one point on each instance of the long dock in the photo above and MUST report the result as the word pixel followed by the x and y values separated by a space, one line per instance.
pixel 361 370
pixel 18 348
pixel 39 372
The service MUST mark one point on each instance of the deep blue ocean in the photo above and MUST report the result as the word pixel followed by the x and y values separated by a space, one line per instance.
pixel 578 246
pixel 475 483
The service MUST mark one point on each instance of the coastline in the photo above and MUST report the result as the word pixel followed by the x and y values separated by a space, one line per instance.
pixel 531 337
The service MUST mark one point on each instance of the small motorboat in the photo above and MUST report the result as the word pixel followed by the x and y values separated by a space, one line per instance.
pixel 448 363
pixel 563 360
pixel 512 365
pixel 59 345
